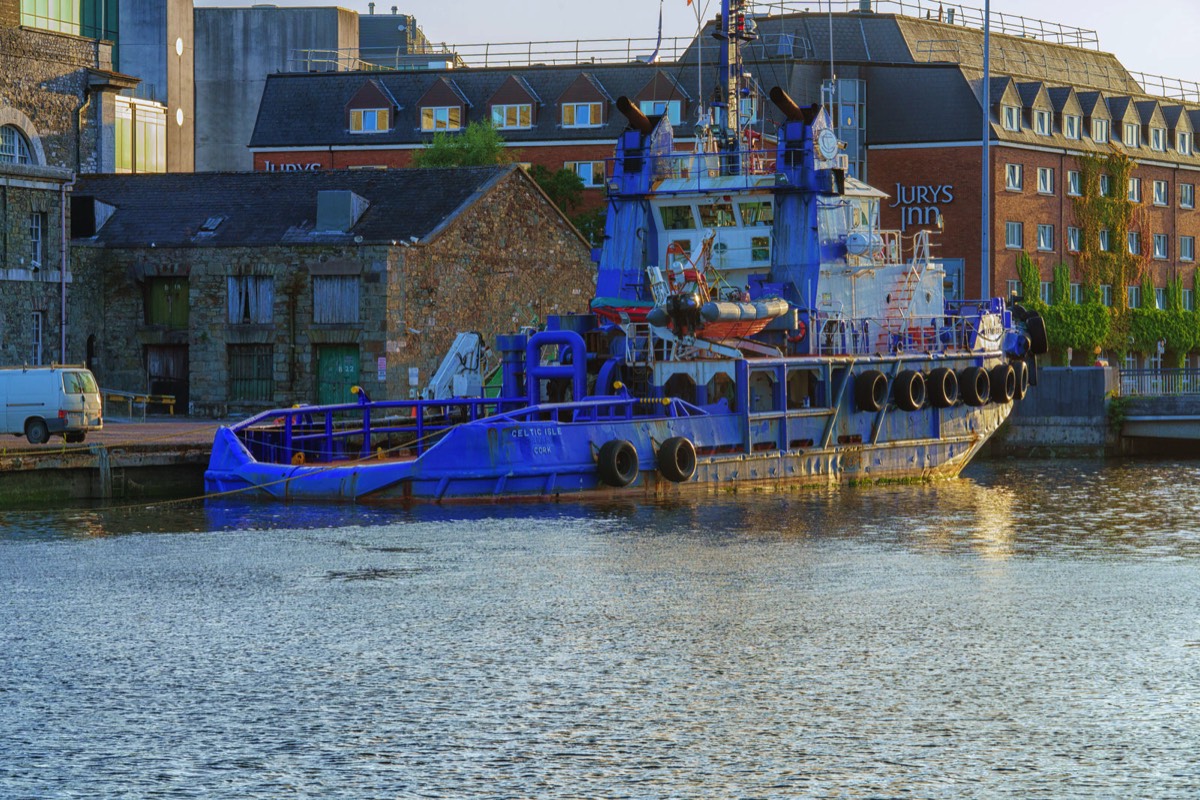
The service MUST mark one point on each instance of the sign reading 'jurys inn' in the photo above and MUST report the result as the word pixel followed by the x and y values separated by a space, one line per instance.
pixel 921 205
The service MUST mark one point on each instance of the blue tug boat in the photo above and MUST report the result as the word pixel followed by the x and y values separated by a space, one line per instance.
pixel 752 327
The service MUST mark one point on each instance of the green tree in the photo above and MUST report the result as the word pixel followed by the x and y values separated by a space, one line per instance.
pixel 477 146
pixel 562 186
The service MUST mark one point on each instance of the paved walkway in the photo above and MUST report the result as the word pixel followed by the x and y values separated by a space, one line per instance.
pixel 116 433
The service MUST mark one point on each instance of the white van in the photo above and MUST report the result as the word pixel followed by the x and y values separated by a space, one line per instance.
pixel 37 402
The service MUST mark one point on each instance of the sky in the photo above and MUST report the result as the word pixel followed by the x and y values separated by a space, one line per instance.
pixel 1155 38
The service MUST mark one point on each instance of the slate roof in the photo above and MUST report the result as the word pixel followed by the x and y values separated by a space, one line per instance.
pixel 272 208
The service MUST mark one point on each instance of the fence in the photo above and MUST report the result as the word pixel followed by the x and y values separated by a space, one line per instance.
pixel 1159 382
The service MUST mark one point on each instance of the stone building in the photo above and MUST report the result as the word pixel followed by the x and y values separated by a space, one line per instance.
pixel 242 292
pixel 57 103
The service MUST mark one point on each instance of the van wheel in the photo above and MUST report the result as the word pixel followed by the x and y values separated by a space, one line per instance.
pixel 74 438
pixel 36 431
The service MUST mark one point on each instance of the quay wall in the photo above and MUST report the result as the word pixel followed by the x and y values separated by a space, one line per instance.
pixel 1066 414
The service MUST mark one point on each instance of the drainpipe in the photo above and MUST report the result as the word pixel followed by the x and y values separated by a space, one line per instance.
pixel 79 112
pixel 62 271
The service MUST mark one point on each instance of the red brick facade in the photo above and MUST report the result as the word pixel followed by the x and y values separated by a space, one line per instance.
pixel 938 170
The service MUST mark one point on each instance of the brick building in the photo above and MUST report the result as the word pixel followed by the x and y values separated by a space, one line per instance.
pixel 906 94
pixel 239 292
pixel 57 100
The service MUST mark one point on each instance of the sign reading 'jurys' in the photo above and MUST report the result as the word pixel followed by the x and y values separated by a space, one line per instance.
pixel 921 205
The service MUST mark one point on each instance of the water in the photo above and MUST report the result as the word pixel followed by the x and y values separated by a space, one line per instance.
pixel 1029 631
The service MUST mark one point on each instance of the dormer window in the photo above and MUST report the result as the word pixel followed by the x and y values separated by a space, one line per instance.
pixel 1183 143
pixel 1100 130
pixel 582 115
pixel 1012 118
pixel 1158 139
pixel 369 120
pixel 518 115
pixel 654 108
pixel 1072 126
pixel 441 118
pixel 1041 123
pixel 1132 137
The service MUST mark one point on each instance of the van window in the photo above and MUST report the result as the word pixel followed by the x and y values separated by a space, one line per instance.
pixel 79 383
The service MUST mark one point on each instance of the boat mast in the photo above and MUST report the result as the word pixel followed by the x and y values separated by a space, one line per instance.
pixel 731 33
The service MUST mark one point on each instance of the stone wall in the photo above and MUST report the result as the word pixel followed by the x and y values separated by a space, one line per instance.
pixel 1066 414
pixel 508 260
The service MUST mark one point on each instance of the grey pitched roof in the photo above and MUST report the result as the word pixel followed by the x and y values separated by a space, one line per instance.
pixel 1030 92
pixel 1059 96
pixel 1146 109
pixel 271 208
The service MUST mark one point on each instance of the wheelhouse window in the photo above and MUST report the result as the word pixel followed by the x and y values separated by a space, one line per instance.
pixel 677 218
pixel 507 117
pixel 582 115
pixel 672 108
pixel 717 215
pixel 590 172
pixel 441 118
pixel 758 213
pixel 369 120
pixel 14 147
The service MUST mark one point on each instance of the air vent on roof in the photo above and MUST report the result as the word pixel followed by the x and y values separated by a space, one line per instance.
pixel 338 210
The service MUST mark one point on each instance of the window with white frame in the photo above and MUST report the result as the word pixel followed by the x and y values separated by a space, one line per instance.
pixel 1187 195
pixel 1105 185
pixel 1135 243
pixel 37 331
pixel 1014 177
pixel 14 148
pixel 1013 288
pixel 1077 293
pixel 1074 182
pixel 1160 245
pixel 1133 135
pixel 1135 190
pixel 1072 126
pixel 672 108
pixel 1189 300
pixel 1183 143
pixel 1134 295
pixel 1162 195
pixel 1160 298
pixel 1074 237
pixel 590 172
pixel 1158 139
pixel 582 115
pixel 1041 123
pixel 1106 294
pixel 369 120
pixel 250 299
pixel 1045 237
pixel 1046 291
pixel 1100 130
pixel 37 238
pixel 441 118
pixel 1187 248
pixel 1014 235
pixel 1105 240
pixel 1012 118
pixel 1045 177
pixel 512 115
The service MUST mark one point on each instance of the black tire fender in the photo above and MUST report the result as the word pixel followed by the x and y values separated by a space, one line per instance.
pixel 942 387
pixel 1004 383
pixel 1035 327
pixel 677 459
pixel 870 390
pixel 617 463
pixel 908 390
pixel 974 386
pixel 1022 370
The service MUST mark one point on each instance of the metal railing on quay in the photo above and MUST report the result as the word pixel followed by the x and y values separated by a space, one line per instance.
pixel 1159 382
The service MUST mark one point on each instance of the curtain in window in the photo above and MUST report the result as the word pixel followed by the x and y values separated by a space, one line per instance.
pixel 251 299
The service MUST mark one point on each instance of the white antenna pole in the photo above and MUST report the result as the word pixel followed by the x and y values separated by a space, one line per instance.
pixel 985 266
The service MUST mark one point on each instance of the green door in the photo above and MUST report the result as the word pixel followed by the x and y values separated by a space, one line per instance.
pixel 337 371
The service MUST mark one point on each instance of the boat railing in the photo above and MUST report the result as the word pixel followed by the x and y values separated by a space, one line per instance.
pixel 751 165
pixel 838 335
pixel 351 431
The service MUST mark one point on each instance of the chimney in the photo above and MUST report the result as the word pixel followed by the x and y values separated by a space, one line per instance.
pixel 370 8
pixel 394 10
pixel 864 6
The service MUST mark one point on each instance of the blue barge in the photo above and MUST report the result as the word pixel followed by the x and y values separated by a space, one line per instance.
pixel 752 327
